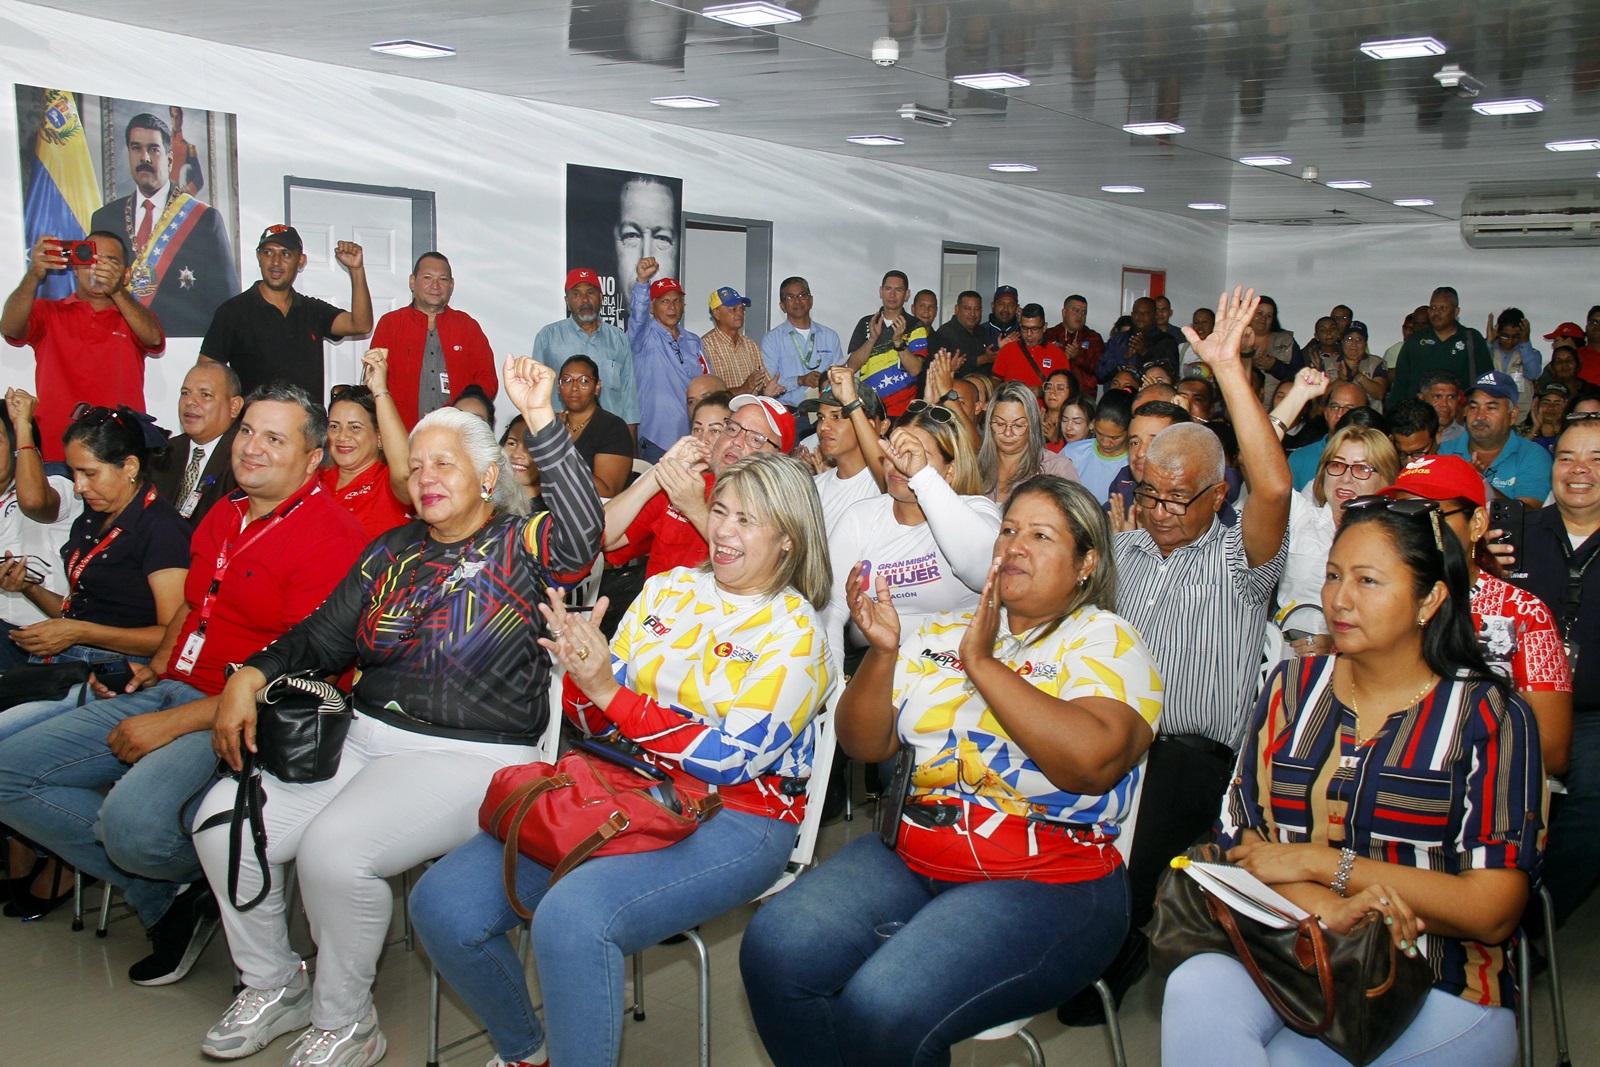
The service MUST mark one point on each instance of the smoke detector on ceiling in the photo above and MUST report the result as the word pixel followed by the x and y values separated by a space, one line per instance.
pixel 927 116
pixel 886 51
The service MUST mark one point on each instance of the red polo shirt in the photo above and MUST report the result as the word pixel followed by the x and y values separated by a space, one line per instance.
pixel 81 354
pixel 468 359
pixel 1013 366
pixel 1589 364
pixel 369 497
pixel 279 569
pixel 661 530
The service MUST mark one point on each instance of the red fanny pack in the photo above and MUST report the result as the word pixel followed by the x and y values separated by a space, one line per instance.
pixel 560 815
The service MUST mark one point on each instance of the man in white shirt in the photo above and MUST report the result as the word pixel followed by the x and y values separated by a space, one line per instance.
pixel 851 423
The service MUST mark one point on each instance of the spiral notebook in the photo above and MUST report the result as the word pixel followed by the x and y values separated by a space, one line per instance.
pixel 1246 894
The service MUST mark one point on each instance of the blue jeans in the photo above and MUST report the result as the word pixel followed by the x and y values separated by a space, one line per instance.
pixel 137 836
pixel 15 720
pixel 1214 1016
pixel 584 928
pixel 1572 858
pixel 824 990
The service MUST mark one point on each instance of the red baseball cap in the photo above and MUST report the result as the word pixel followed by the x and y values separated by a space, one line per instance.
pixel 578 276
pixel 1566 329
pixel 778 417
pixel 1441 478
pixel 663 287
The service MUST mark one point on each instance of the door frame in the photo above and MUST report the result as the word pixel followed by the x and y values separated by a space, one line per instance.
pixel 424 211
pixel 757 263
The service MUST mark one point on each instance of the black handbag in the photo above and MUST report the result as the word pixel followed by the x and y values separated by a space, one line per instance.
pixel 1355 992
pixel 28 682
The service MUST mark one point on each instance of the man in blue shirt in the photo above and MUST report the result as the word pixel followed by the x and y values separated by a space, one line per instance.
pixel 1514 466
pixel 666 359
pixel 798 351
pixel 582 333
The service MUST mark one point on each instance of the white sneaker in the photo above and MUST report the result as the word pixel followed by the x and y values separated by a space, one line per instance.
pixel 498 1062
pixel 257 1017
pixel 358 1045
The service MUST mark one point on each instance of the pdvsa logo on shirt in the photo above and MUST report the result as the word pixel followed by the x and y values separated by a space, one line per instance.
pixel 654 624
pixel 947 660
pixel 1046 671
pixel 729 650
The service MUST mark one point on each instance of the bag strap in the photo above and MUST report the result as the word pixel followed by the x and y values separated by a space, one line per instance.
pixel 521 799
pixel 1310 931
pixel 613 826
pixel 248 803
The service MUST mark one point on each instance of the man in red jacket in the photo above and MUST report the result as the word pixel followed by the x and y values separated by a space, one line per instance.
pixel 435 351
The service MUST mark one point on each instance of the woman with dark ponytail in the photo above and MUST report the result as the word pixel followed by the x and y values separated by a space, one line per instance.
pixel 1400 779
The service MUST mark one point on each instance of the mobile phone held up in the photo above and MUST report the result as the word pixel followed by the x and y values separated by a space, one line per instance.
pixel 79 253
pixel 1509 516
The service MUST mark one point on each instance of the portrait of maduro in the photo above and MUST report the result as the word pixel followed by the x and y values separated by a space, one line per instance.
pixel 162 176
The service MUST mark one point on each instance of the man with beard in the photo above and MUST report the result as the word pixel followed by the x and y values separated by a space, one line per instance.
pixel 435 351
pixel 582 333
pixel 183 265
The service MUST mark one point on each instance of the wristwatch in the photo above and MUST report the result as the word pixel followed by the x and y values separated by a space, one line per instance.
pixel 951 395
pixel 850 408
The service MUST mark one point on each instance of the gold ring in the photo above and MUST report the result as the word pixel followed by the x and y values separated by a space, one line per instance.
pixel 583 653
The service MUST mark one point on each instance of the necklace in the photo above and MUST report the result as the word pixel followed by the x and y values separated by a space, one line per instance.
pixel 1360 738
pixel 576 431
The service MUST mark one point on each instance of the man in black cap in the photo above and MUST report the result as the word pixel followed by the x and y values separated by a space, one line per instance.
pixel 270 333
pixel 1002 324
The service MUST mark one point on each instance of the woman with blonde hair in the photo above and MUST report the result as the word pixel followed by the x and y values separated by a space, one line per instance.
pixel 1013 447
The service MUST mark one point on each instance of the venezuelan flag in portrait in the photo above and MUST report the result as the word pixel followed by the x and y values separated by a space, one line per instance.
pixel 62 190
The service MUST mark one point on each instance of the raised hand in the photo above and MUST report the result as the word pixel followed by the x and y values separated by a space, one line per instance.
pixel 978 642
pixel 646 269
pixel 350 255
pixel 375 364
pixel 690 450
pixel 1221 349
pixel 941 375
pixel 877 619
pixel 842 382
pixel 20 405
pixel 903 453
pixel 528 385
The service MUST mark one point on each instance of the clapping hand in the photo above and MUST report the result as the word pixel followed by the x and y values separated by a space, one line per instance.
pixel 1221 350
pixel 978 642
pixel 941 376
pixel 577 643
pixel 877 619
pixel 1124 517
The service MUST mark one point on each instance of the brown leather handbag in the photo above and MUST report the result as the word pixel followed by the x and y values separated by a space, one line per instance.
pixel 1355 992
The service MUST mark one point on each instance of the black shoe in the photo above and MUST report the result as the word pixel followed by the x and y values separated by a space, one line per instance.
pixel 27 907
pixel 179 937
pixel 1133 960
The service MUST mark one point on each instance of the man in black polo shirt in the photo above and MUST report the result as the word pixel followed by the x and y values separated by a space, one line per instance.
pixel 269 332
pixel 963 335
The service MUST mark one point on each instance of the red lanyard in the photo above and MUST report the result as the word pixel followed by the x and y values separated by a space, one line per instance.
pixel 76 566
pixel 225 559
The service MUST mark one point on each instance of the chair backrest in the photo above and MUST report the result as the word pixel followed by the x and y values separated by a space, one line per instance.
pixel 640 466
pixel 805 845
pixel 1124 841
pixel 550 740
pixel 582 596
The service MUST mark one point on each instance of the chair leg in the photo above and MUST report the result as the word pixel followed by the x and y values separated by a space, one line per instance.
pixel 433 1017
pixel 1558 1005
pixel 405 911
pixel 1035 1053
pixel 638 987
pixel 1119 1055
pixel 1525 1008
pixel 705 995
pixel 77 900
pixel 105 911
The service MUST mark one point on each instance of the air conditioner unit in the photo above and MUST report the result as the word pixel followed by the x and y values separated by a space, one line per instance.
pixel 1532 214
pixel 927 116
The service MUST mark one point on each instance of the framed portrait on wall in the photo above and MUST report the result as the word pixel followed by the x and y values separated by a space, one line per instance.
pixel 162 176
pixel 615 218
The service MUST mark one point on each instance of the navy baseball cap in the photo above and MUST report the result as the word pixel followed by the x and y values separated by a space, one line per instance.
pixel 1496 384
pixel 1005 290
pixel 287 236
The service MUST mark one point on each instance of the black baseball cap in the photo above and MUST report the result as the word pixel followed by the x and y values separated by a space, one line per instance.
pixel 287 236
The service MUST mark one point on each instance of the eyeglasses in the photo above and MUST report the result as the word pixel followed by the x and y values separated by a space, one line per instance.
pixel 1411 507
pixel 755 440
pixel 1413 456
pixel 1359 471
pixel 576 379
pixel 1010 429
pixel 91 415
pixel 1339 407
pixel 1582 416
pixel 1146 498
pixel 802 295
pixel 936 412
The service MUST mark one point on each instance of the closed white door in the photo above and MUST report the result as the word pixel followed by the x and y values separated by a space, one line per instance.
pixel 381 225
pixel 712 257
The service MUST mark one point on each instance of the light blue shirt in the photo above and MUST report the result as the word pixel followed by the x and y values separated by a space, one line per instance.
pixel 664 368
pixel 788 355
pixel 608 347
pixel 1521 469
pixel 1095 471
pixel 1303 463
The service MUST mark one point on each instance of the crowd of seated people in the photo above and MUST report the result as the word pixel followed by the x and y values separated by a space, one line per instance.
pixel 1046 570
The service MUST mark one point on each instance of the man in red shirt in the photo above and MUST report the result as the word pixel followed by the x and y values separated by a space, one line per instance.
pixel 260 561
pixel 1029 358
pixel 1082 344
pixel 435 351
pixel 90 346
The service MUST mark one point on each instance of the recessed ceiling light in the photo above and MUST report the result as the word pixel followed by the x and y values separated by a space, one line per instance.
pixel 685 101
pixel 1207 205
pixel 1414 201
pixel 1588 145
pixel 1404 48
pixel 1122 188
pixel 413 49
pixel 1152 129
pixel 751 13
pixel 1013 168
pixel 875 139
pixel 1265 161
pixel 1520 106
pixel 995 80
pixel 1354 183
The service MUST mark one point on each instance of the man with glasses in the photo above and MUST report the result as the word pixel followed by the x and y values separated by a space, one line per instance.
pixel 1515 466
pixel 435 351
pixel 1028 358
pixel 1342 399
pixel 1444 344
pixel 1414 429
pixel 1342 315
pixel 666 358
pixel 798 350
pixel 582 332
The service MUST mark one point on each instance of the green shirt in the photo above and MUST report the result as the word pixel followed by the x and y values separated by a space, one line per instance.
pixel 1465 354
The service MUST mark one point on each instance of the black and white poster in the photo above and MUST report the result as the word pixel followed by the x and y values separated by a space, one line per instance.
pixel 615 218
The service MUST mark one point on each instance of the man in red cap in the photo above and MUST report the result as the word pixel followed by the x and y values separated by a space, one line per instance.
pixel 584 333
pixel 1589 354
pixel 435 351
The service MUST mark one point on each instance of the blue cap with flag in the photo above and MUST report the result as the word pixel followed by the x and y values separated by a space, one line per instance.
pixel 728 297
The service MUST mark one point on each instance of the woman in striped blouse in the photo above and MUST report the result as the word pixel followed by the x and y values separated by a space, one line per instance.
pixel 1401 778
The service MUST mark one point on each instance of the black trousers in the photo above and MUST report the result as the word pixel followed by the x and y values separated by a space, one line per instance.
pixel 1185 780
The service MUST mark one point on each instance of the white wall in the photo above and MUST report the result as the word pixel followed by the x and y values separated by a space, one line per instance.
pixel 1384 272
pixel 498 167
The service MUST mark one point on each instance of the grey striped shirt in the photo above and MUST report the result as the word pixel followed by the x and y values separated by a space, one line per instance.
pixel 1203 612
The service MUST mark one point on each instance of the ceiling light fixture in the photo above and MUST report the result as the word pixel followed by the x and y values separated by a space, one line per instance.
pixel 1354 183
pixel 685 101
pixel 1404 48
pixel 1207 205
pixel 1587 145
pixel 1152 129
pixel 1013 168
pixel 751 13
pixel 1414 201
pixel 1265 161
pixel 877 140
pixel 1122 188
pixel 413 49
pixel 996 80
pixel 1518 106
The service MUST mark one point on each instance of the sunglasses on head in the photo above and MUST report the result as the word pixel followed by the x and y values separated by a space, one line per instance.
pixel 1410 507
pixel 91 415
pixel 936 412
pixel 1582 416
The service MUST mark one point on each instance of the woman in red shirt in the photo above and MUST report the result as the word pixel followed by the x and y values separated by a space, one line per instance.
pixel 368 445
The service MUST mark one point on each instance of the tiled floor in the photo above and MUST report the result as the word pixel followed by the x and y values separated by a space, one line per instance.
pixel 66 1000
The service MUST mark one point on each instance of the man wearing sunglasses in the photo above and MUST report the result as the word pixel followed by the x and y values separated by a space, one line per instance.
pixel 1515 466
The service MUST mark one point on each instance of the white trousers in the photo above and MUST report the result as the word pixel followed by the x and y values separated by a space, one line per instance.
pixel 400 798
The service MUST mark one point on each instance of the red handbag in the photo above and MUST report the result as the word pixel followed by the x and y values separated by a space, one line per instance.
pixel 583 806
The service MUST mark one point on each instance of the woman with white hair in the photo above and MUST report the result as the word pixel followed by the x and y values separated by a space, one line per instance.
pixel 440 615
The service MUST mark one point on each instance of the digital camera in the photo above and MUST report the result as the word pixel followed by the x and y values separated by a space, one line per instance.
pixel 80 253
